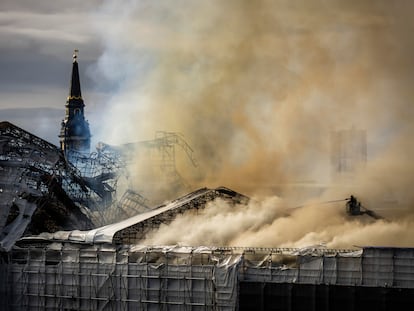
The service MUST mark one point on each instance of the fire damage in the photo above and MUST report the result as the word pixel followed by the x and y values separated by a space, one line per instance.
pixel 135 229
pixel 54 254
pixel 41 190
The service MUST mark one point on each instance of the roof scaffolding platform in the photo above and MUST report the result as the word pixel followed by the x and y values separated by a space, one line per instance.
pixel 151 165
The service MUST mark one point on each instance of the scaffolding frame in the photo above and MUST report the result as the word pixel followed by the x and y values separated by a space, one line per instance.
pixel 159 155
pixel 76 276
pixel 35 177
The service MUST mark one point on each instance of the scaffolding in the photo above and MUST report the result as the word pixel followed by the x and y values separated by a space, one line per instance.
pixel 101 171
pixel 76 276
pixel 134 229
pixel 36 176
pixel 131 204
pixel 153 162
pixel 38 188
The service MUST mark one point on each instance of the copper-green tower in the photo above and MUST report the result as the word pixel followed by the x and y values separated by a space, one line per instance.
pixel 75 135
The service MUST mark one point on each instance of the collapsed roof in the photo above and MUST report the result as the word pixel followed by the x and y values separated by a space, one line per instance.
pixel 134 229
pixel 39 190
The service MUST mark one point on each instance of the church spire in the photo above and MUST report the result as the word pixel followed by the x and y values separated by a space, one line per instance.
pixel 75 135
pixel 75 89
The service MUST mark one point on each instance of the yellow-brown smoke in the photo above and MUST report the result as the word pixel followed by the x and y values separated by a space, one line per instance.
pixel 270 224
pixel 256 87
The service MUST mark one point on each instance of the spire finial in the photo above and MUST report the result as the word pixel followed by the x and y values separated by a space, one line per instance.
pixel 75 55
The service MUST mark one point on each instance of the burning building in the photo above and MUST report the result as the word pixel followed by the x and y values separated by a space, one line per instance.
pixel 38 188
pixel 63 244
pixel 108 269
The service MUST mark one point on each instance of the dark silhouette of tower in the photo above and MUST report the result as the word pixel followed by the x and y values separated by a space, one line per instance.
pixel 75 136
pixel 348 154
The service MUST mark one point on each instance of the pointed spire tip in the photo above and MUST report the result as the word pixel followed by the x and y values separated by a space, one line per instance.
pixel 75 55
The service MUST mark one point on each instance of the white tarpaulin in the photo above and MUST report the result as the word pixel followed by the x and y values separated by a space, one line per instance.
pixel 108 277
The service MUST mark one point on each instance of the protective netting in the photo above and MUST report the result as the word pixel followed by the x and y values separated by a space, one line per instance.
pixel 76 276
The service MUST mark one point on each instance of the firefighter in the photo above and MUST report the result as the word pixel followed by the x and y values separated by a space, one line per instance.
pixel 353 206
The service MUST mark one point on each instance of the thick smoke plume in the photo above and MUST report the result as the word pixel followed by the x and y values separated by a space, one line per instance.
pixel 270 223
pixel 256 87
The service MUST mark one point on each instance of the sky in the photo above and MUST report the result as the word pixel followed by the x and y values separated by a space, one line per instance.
pixel 37 40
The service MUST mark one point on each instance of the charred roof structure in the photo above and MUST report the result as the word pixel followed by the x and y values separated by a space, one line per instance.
pixel 39 189
pixel 61 248
pixel 44 188
pixel 134 229
pixel 107 269
pixel 162 180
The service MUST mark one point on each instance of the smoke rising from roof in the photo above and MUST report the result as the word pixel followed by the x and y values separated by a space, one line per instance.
pixel 256 87
pixel 270 223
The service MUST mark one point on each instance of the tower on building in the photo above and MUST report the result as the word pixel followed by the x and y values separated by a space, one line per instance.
pixel 349 153
pixel 75 136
